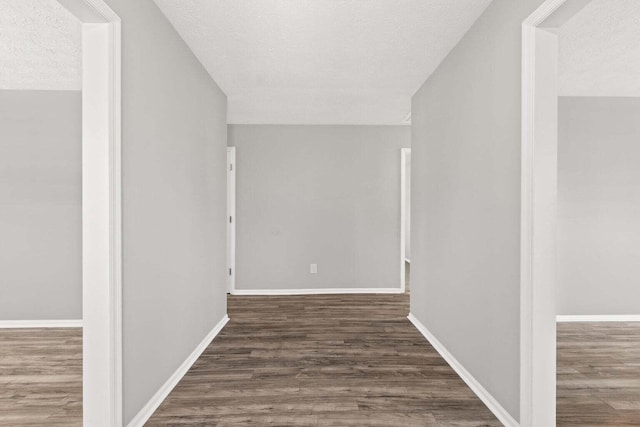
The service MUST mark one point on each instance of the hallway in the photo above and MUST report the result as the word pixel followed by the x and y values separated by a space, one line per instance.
pixel 321 360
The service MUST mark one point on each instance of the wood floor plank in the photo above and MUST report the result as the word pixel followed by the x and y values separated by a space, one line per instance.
pixel 41 377
pixel 598 374
pixel 323 360
pixel 328 360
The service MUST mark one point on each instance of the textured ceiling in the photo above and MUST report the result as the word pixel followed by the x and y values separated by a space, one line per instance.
pixel 600 50
pixel 40 46
pixel 321 61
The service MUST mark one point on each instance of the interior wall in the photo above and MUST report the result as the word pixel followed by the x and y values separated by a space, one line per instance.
pixel 465 261
pixel 40 205
pixel 327 195
pixel 174 201
pixel 598 206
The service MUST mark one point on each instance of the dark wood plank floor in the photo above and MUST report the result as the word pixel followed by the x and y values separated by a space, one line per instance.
pixel 341 360
pixel 598 374
pixel 41 377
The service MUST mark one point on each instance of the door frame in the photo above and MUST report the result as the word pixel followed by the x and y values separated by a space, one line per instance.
pixel 101 212
pixel 539 157
pixel 404 153
pixel 231 219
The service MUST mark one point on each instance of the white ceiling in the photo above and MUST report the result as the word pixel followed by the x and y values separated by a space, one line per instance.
pixel 600 50
pixel 321 61
pixel 40 46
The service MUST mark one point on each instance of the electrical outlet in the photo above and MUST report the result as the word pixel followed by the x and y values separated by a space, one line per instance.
pixel 313 269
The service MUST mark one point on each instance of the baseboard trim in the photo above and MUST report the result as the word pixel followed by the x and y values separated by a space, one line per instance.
pixel 36 324
pixel 598 318
pixel 266 292
pixel 147 411
pixel 486 397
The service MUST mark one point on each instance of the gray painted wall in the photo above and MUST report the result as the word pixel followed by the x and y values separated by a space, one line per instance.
pixel 174 207
pixel 40 205
pixel 599 206
pixel 465 261
pixel 328 195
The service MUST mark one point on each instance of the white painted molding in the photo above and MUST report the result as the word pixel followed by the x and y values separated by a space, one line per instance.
pixel 407 260
pixel 537 298
pixel 101 212
pixel 404 152
pixel 267 292
pixel 563 14
pixel 115 166
pixel 526 225
pixel 475 386
pixel 147 411
pixel 86 11
pixel 231 215
pixel 598 318
pixel 24 324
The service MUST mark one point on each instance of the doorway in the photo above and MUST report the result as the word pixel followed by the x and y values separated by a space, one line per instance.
pixel 231 219
pixel 405 217
pixel 563 193
pixel 100 212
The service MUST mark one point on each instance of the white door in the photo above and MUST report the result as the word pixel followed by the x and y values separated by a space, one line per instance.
pixel 405 203
pixel 231 218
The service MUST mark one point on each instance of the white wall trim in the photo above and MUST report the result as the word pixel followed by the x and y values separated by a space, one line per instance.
pixel 101 212
pixel 317 291
pixel 24 324
pixel 598 318
pixel 475 386
pixel 147 411
pixel 404 152
pixel 231 218
pixel 538 215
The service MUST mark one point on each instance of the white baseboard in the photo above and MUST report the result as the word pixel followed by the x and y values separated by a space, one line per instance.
pixel 261 292
pixel 493 405
pixel 599 318
pixel 36 324
pixel 147 411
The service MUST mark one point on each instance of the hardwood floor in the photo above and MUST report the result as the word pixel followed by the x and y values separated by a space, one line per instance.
pixel 598 374
pixel 332 360
pixel 41 377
